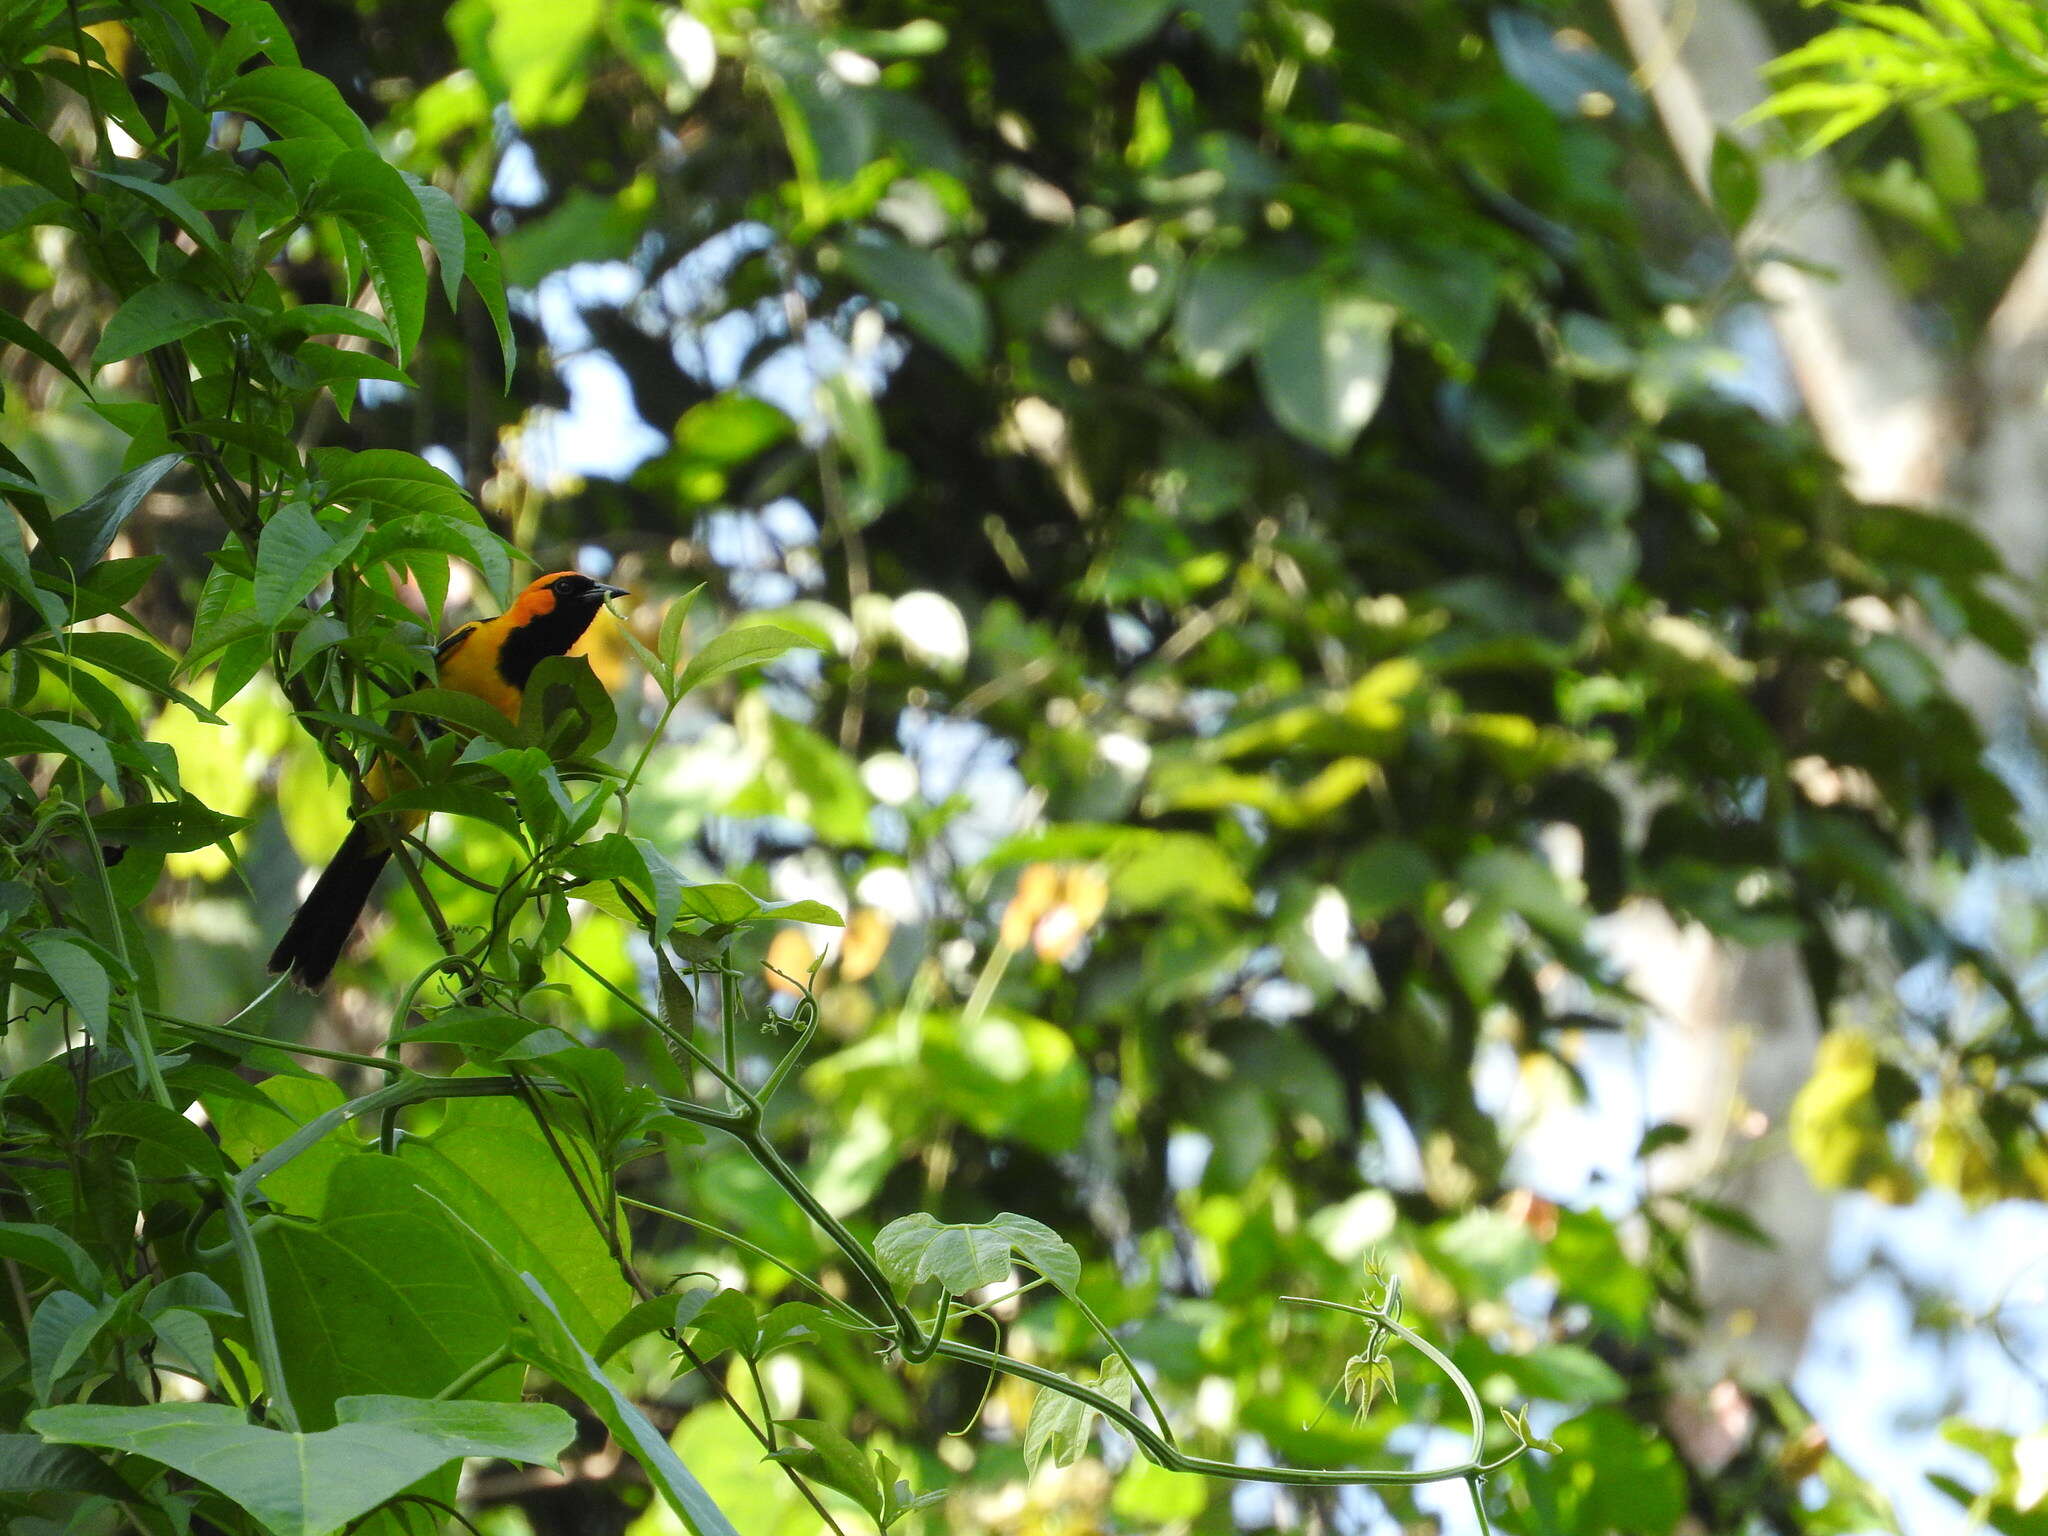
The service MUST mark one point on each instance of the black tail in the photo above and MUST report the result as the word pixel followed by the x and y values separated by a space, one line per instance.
pixel 321 927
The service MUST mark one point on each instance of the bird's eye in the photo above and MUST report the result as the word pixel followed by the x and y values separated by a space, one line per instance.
pixel 566 584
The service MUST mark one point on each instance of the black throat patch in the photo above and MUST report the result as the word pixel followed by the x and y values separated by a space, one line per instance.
pixel 548 634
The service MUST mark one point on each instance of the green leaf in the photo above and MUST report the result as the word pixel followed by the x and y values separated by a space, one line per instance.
pixel 552 1347
pixel 318 635
pixel 649 662
pixel 295 104
pixel 444 232
pixel 727 1320
pixel 794 1322
pixel 1096 27
pixel 87 746
pixel 313 1484
pixel 140 661
pixel 566 708
pixel 535 1433
pixel 166 826
pixel 1519 881
pixel 185 1338
pixel 63 1328
pixel 17 332
pixel 265 28
pixel 1042 1248
pixel 254 1121
pixel 669 644
pixel 1567 1373
pixel 831 1459
pixel 1592 1267
pixel 919 1246
pixel 534 56
pixel 438 533
pixel 746 646
pixel 487 278
pixel 156 316
pixel 27 1465
pixel 17 575
pixel 224 614
pixel 78 975
pixel 1948 151
pixel 731 429
pixel 323 364
pixel 369 195
pixel 78 539
pixel 536 789
pixel 1057 1431
pixel 1223 308
pixel 463 709
pixel 24 207
pixel 191 1292
pixel 963 1258
pixel 1733 181
pixel 189 1148
pixel 1060 1424
pixel 1622 1476
pixel 934 300
pixel 897 1499
pixel 27 152
pixel 51 1252
pixel 488 1162
pixel 295 554
pixel 389 477
pixel 724 904
pixel 170 198
pixel 658 1314
pixel 1534 53
pixel 663 883
pixel 15 899
pixel 1323 361
pixel 384 1290
pixel 329 320
pixel 465 800
pixel 636 862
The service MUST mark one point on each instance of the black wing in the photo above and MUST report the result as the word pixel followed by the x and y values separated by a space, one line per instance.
pixel 454 642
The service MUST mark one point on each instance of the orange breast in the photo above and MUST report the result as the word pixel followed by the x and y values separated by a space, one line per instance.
pixel 472 667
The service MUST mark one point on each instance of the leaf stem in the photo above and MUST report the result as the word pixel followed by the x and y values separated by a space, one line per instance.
pixel 1174 1460
pixel 247 1037
pixel 262 1324
pixel 409 1089
pixel 1130 1365
pixel 1479 1505
pixel 846 1308
pixel 496 1359
pixel 140 1044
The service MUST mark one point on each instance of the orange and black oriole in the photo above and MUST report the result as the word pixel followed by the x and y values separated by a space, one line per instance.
pixel 492 659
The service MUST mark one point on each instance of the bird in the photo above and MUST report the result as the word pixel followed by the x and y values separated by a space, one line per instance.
pixel 490 658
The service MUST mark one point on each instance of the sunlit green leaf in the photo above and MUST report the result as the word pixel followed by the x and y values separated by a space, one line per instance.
pixel 311 1484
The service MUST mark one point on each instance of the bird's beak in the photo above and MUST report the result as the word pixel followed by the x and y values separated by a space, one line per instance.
pixel 611 592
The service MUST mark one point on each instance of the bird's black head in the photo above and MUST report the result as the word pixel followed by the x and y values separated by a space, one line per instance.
pixel 549 617
pixel 569 589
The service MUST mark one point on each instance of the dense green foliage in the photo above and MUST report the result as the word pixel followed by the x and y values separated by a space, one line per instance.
pixel 1962 53
pixel 1220 549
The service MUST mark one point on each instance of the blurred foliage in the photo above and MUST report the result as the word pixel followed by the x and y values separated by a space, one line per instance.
pixel 1280 555
pixel 1990 54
